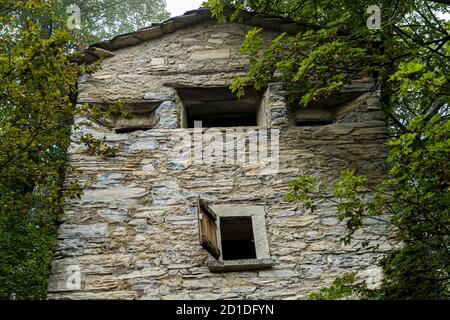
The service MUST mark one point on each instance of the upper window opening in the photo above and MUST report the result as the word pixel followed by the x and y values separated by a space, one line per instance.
pixel 219 107
pixel 237 238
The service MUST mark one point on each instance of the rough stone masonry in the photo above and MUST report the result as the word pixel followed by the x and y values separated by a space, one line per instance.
pixel 134 232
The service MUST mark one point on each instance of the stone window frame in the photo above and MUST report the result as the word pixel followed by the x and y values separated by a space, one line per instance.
pixel 258 217
pixel 261 112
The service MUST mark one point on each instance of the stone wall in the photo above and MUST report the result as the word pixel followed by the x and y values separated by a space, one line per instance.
pixel 206 54
pixel 134 233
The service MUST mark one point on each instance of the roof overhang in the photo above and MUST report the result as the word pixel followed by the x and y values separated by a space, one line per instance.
pixel 105 49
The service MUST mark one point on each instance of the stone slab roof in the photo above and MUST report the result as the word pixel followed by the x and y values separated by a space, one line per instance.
pixel 105 49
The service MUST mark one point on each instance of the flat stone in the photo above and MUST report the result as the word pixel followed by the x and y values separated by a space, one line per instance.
pixel 124 41
pixel 144 273
pixel 148 33
pixel 71 247
pixel 314 258
pixel 168 199
pixel 199 80
pixel 102 76
pixel 278 274
pixel 284 213
pixel 148 168
pixel 140 237
pixel 373 104
pixel 297 221
pixel 223 35
pixel 112 194
pixel 189 19
pixel 343 261
pixel 279 115
pixel 192 219
pixel 340 129
pixel 310 271
pixel 310 235
pixel 114 137
pixel 84 78
pixel 298 245
pixel 113 215
pixel 195 48
pixel 166 107
pixel 110 178
pixel 330 221
pixel 197 284
pixel 97 230
pixel 137 222
pixel 323 246
pixel 168 118
pixel 153 134
pixel 211 54
pixel 158 61
pixel 374 130
pixel 216 41
pixel 189 40
pixel 168 27
pixel 96 295
pixel 160 96
pixel 147 229
pixel 139 146
pixel 239 265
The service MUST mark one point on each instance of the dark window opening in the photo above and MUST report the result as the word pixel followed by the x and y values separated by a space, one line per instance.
pixel 224 120
pixel 312 123
pixel 237 238
pixel 219 107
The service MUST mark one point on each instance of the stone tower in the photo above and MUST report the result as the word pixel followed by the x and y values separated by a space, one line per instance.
pixel 135 232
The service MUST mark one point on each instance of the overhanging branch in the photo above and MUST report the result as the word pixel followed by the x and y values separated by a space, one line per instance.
pixel 447 2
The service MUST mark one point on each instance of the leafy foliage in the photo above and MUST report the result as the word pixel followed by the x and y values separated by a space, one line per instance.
pixel 37 95
pixel 415 197
pixel 35 116
pixel 98 147
pixel 408 59
pixel 100 19
pixel 342 288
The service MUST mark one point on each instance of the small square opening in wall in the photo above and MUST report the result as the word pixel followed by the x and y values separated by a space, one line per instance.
pixel 219 107
pixel 237 238
pixel 334 109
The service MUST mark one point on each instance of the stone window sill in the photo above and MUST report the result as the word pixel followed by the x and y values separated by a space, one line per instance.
pixel 240 265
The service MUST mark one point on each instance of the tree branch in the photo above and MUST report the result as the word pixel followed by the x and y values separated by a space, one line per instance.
pixel 446 2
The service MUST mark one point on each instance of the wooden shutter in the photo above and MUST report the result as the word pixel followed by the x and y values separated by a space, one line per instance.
pixel 207 228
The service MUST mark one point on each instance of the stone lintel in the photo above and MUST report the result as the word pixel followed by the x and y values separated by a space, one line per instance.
pixel 240 265
pixel 133 106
